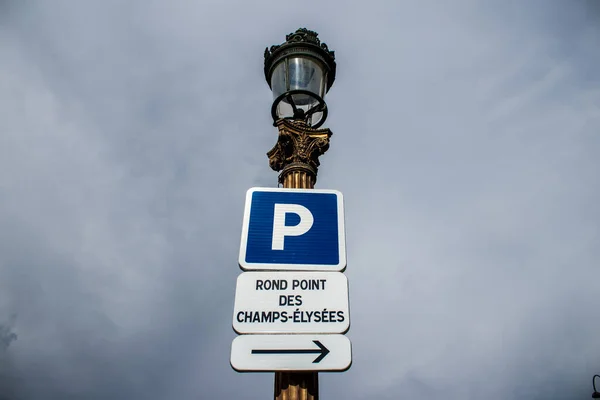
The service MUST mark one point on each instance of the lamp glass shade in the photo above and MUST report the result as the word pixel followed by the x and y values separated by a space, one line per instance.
pixel 299 73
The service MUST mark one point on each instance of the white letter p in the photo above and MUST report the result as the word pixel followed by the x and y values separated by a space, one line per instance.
pixel 280 230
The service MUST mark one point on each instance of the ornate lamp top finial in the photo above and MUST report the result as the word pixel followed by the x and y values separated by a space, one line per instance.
pixel 302 35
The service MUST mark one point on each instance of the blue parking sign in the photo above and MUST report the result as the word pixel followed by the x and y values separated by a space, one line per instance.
pixel 293 229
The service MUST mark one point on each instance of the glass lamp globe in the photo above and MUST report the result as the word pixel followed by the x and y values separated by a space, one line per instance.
pixel 300 72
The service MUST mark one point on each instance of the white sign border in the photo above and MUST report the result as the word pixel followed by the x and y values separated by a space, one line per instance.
pixel 340 267
pixel 308 337
pixel 275 331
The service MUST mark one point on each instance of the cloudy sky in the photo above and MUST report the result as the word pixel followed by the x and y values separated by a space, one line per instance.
pixel 465 142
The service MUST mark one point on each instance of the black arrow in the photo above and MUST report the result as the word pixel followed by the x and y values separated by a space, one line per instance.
pixel 322 351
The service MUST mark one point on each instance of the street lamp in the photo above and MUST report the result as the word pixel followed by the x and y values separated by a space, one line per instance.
pixel 300 72
pixel 595 395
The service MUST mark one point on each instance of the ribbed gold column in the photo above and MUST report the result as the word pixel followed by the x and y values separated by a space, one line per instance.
pixel 298 180
pixel 296 385
pixel 296 155
pixel 293 385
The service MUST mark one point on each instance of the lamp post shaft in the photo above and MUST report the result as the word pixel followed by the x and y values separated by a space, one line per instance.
pixel 296 386
pixel 296 155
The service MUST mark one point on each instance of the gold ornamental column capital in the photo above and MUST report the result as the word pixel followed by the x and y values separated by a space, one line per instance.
pixel 297 151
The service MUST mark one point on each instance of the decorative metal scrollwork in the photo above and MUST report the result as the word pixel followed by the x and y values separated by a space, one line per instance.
pixel 298 144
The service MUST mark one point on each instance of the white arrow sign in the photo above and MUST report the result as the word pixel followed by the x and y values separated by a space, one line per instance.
pixel 264 353
pixel 291 302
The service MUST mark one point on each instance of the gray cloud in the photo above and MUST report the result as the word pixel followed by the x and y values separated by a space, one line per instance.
pixel 464 142
pixel 7 336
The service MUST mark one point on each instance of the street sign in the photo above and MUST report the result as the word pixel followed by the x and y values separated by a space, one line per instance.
pixel 293 229
pixel 264 353
pixel 291 302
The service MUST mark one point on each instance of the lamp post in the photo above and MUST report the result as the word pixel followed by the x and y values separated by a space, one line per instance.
pixel 300 72
pixel 596 394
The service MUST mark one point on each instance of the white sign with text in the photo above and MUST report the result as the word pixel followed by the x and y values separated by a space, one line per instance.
pixel 291 302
